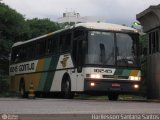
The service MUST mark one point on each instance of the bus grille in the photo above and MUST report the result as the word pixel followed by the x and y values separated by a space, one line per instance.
pixel 112 76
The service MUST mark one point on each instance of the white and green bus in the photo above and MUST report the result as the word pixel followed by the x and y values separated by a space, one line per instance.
pixel 97 58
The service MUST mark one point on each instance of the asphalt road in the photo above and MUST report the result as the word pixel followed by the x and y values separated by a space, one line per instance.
pixel 75 106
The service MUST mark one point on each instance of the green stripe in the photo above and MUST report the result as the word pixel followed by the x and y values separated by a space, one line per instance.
pixel 47 64
pixel 54 63
pixel 126 72
pixel 118 72
pixel 49 81
pixel 43 77
pixel 50 75
pixel 42 81
pixel 122 72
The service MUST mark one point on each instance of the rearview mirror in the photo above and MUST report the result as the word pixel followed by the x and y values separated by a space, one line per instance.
pixel 81 53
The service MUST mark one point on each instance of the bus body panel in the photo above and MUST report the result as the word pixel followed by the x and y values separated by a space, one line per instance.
pixel 77 80
pixel 57 80
pixel 65 66
pixel 41 75
pixel 46 76
pixel 27 78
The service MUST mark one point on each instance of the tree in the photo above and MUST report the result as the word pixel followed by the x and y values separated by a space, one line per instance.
pixel 41 26
pixel 12 29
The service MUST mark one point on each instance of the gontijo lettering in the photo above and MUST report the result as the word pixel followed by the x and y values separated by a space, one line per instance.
pixel 13 69
pixel 23 67
pixel 26 67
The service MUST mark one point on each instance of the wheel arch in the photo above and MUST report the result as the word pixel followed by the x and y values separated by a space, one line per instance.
pixel 21 81
pixel 64 78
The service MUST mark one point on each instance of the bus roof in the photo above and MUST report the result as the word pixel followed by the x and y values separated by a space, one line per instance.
pixel 89 25
pixel 107 27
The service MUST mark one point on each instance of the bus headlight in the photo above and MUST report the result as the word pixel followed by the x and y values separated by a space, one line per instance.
pixel 92 84
pixel 95 76
pixel 135 78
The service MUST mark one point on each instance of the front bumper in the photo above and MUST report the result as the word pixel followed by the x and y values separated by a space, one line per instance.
pixel 103 86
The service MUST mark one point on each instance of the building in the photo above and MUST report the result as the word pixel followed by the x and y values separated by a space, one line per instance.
pixel 73 17
pixel 150 20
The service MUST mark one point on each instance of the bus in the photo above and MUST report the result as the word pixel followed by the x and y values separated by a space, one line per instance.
pixel 91 58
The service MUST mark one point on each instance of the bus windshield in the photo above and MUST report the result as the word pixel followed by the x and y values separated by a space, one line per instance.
pixel 108 48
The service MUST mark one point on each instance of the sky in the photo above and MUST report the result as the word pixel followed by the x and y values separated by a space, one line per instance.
pixel 112 11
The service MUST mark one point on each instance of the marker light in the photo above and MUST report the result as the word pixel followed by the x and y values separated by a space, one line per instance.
pixel 136 86
pixel 92 84
pixel 135 78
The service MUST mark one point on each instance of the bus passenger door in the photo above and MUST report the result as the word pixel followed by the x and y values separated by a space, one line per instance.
pixel 77 59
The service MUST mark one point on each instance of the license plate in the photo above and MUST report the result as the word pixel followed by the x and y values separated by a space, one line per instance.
pixel 115 85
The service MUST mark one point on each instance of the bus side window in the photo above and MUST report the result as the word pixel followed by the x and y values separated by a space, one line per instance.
pixel 65 42
pixel 74 51
pixel 23 53
pixel 62 43
pixel 78 33
pixel 13 55
pixel 68 42
pixel 40 48
pixel 43 47
pixel 32 50
pixel 20 56
pixel 48 46
pixel 51 45
pixel 16 56
pixel 55 45
pixel 28 52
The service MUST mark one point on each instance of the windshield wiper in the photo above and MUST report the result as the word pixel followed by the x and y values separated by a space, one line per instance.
pixel 124 61
pixel 102 52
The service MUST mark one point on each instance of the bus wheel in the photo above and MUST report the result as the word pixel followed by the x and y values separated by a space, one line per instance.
pixel 113 96
pixel 22 91
pixel 66 89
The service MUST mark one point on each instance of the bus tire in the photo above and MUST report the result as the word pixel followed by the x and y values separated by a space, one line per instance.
pixel 22 91
pixel 113 96
pixel 66 88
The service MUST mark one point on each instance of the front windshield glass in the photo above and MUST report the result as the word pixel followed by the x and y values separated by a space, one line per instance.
pixel 126 49
pixel 107 48
pixel 101 48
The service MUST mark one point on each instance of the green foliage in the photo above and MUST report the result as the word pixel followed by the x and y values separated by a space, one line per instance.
pixel 14 28
pixel 144 47
pixel 13 24
pixel 41 26
pixel 144 40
